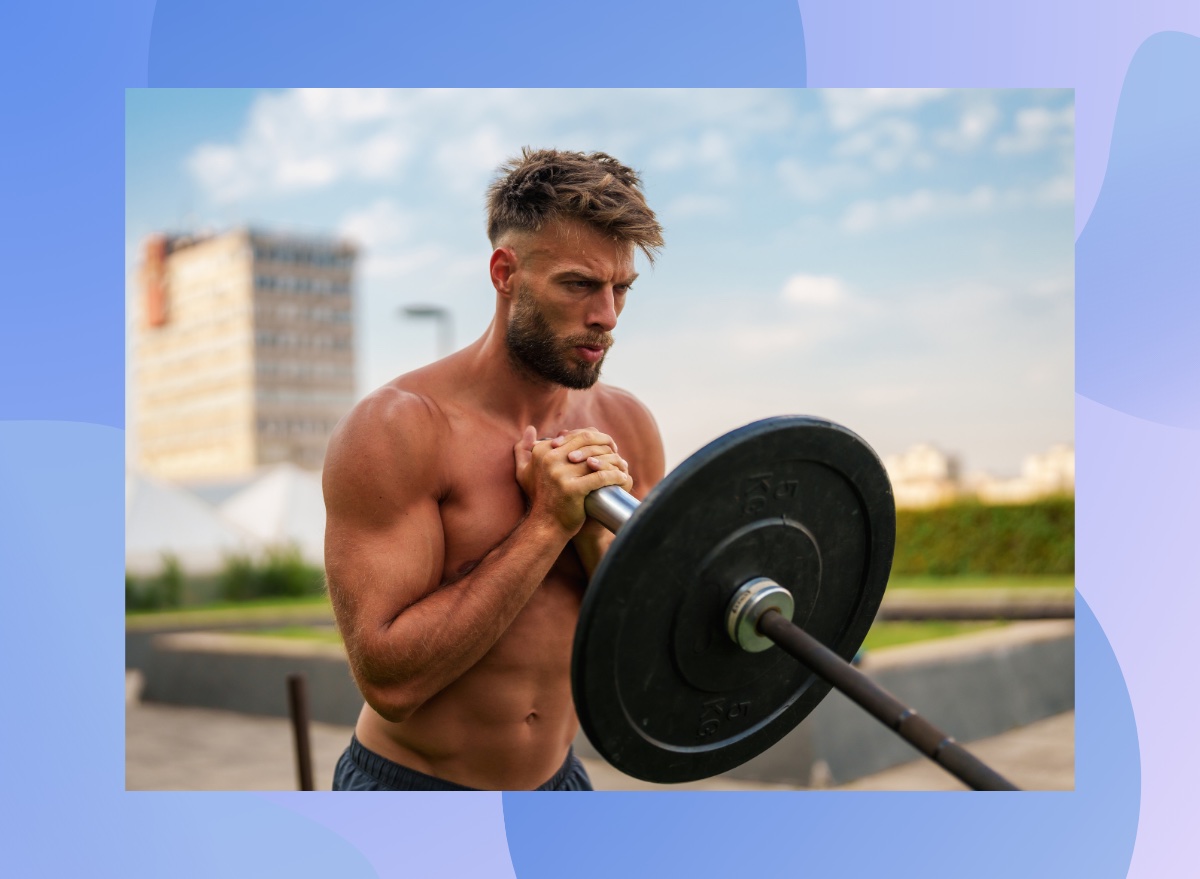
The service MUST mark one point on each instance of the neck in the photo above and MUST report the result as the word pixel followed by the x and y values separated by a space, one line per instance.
pixel 510 392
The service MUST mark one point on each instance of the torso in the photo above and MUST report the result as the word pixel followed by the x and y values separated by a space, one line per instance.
pixel 508 721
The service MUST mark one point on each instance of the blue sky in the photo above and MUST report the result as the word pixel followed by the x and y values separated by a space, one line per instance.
pixel 900 261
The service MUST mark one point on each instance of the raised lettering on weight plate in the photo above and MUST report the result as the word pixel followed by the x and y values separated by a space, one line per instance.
pixel 761 488
pixel 757 491
pixel 714 711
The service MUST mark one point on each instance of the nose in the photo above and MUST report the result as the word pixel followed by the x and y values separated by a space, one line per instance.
pixel 602 314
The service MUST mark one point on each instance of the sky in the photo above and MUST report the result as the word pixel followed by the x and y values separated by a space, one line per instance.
pixel 896 260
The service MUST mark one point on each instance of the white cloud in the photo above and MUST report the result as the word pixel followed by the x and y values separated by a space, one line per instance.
pixel 303 140
pixel 466 162
pixel 1057 190
pixel 710 152
pixel 1053 287
pixel 688 206
pixel 313 138
pixel 814 183
pixel 848 108
pixel 867 215
pixel 1038 128
pixel 977 121
pixel 820 291
pixel 887 144
pixel 380 223
pixel 385 233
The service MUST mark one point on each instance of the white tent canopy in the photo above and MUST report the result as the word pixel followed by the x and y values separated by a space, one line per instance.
pixel 283 506
pixel 163 519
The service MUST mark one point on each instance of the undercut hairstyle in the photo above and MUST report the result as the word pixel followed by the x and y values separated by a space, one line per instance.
pixel 541 187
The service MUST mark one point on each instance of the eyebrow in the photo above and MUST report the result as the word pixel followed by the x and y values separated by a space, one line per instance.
pixel 585 276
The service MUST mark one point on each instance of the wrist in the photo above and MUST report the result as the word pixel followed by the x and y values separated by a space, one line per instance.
pixel 548 527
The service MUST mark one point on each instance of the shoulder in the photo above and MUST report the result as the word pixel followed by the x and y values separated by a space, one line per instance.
pixel 633 427
pixel 390 438
pixel 626 411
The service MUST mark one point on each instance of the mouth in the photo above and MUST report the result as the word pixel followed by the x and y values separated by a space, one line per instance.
pixel 590 353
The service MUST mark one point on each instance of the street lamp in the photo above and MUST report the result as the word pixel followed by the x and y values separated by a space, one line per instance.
pixel 445 325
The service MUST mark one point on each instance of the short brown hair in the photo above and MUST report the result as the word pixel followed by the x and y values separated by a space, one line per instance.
pixel 542 186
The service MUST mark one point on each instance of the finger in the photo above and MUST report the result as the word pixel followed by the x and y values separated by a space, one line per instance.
pixel 588 437
pixel 523 450
pixel 585 452
pixel 600 462
pixel 600 478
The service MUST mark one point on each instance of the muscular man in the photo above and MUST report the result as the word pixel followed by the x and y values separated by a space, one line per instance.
pixel 456 545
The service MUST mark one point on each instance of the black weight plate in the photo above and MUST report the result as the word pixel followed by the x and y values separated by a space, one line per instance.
pixel 661 690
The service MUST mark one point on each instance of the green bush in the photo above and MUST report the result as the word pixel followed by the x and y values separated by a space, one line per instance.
pixel 285 573
pixel 237 579
pixel 282 573
pixel 971 538
pixel 156 593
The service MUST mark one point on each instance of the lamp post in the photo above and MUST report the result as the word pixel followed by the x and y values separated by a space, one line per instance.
pixel 445 324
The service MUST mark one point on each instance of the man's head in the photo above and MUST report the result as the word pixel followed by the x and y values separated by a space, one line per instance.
pixel 564 227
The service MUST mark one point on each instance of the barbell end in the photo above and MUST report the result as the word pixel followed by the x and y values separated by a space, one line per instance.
pixel 746 607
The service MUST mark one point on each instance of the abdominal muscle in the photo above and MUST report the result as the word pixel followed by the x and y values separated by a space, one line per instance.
pixel 505 724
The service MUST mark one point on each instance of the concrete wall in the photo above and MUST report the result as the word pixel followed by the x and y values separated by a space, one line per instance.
pixel 248 673
pixel 971 686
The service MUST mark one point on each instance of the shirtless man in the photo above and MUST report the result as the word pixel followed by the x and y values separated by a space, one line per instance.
pixel 456 545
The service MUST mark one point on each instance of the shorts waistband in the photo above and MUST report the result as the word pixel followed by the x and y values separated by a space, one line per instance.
pixel 399 777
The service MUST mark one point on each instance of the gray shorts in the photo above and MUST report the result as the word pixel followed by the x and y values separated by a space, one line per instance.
pixel 361 769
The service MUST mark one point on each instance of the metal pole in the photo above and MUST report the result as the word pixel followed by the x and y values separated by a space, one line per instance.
pixel 298 709
pixel 882 705
pixel 444 321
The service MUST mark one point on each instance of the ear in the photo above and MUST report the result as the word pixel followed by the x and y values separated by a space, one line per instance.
pixel 503 268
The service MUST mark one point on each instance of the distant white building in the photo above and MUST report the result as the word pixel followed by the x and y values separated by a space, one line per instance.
pixel 1050 473
pixel 925 476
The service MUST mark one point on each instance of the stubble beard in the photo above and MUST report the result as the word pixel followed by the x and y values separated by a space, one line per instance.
pixel 535 351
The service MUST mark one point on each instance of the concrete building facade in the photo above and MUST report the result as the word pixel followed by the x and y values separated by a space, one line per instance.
pixel 243 352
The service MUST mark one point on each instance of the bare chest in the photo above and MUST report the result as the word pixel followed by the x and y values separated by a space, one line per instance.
pixel 483 505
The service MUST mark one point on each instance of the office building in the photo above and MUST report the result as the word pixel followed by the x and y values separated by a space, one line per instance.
pixel 243 352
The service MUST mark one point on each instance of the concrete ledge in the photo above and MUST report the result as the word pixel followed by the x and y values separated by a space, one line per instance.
pixel 1026 602
pixel 248 673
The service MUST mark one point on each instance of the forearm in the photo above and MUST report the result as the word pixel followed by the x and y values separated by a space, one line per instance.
pixel 433 642
pixel 591 543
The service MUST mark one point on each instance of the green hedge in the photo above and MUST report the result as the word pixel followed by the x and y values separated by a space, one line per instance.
pixel 283 573
pixel 971 538
pixel 156 593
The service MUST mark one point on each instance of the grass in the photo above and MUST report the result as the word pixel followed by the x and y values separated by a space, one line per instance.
pixel 893 633
pixel 230 612
pixel 983 581
pixel 323 634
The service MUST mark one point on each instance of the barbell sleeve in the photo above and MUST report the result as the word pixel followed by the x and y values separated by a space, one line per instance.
pixel 611 506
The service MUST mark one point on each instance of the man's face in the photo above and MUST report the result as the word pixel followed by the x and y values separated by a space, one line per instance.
pixel 570 288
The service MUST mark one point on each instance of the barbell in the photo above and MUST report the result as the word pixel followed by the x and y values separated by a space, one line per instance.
pixel 779 534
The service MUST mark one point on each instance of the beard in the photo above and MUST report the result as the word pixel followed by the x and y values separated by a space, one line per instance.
pixel 536 351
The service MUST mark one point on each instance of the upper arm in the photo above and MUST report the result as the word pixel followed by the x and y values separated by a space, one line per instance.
pixel 384 546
